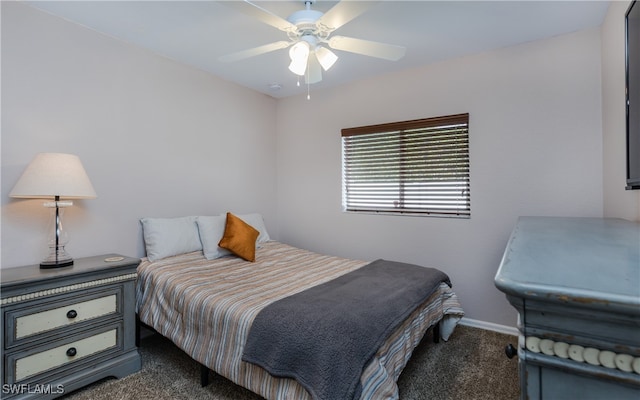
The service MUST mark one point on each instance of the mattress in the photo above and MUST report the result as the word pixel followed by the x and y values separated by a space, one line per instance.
pixel 206 308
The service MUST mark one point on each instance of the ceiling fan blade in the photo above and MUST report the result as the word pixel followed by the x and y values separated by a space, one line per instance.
pixel 344 12
pixel 314 71
pixel 367 48
pixel 266 16
pixel 256 51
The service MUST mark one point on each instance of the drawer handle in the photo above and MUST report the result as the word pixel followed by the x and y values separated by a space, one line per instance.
pixel 71 314
pixel 510 351
pixel 71 351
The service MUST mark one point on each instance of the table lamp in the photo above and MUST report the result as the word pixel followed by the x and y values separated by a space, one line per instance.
pixel 56 176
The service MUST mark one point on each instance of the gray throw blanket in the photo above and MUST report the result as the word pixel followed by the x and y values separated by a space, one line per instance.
pixel 325 336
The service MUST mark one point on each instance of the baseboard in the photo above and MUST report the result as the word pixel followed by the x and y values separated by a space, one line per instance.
pixel 509 330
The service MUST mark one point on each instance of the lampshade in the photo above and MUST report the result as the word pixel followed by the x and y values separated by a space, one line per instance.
pixel 54 174
pixel 314 71
pixel 326 57
pixel 299 54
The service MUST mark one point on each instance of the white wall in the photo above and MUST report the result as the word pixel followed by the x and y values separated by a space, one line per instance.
pixel 535 148
pixel 618 202
pixel 157 138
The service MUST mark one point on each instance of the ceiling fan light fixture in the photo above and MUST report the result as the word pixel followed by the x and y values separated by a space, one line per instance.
pixel 326 57
pixel 314 71
pixel 299 54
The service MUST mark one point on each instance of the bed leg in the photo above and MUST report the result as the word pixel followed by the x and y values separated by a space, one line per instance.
pixel 137 331
pixel 204 375
pixel 436 332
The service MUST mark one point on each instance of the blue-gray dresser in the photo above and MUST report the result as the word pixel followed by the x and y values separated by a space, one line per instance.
pixel 576 285
pixel 65 328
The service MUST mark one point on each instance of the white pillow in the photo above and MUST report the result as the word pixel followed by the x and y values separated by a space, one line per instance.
pixel 211 231
pixel 257 222
pixel 165 237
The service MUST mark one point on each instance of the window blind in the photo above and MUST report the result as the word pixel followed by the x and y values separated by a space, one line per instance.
pixel 413 167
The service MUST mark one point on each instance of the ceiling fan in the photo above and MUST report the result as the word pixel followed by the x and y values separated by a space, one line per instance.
pixel 309 34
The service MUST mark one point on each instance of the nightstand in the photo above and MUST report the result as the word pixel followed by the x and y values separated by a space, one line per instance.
pixel 65 328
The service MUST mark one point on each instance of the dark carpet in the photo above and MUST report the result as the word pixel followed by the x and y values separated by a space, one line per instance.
pixel 471 365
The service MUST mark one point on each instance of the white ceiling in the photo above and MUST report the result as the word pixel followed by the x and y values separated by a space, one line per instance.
pixel 198 32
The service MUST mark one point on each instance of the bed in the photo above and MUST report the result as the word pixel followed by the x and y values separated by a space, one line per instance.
pixel 206 305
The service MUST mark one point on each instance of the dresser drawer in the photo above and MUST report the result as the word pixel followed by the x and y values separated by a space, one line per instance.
pixel 590 328
pixel 555 382
pixel 55 356
pixel 32 320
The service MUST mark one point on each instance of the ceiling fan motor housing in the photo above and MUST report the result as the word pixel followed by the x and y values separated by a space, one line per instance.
pixel 306 23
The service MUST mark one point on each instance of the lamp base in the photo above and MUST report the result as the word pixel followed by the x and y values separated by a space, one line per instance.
pixel 55 264
pixel 57 258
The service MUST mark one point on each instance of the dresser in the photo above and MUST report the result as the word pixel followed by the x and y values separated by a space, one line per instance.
pixel 575 283
pixel 65 328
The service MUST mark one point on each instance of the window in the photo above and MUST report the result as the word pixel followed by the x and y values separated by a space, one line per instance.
pixel 418 167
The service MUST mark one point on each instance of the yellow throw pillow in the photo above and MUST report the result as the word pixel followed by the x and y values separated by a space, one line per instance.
pixel 239 238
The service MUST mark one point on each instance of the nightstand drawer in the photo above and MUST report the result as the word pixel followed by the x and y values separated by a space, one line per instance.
pixel 38 319
pixel 58 356
pixel 32 324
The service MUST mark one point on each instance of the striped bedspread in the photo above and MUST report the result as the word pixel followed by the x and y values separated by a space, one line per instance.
pixel 206 308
